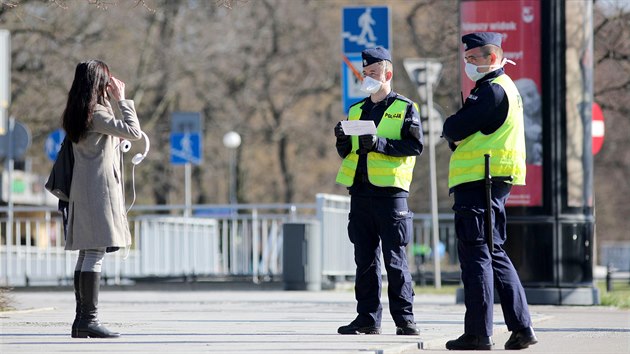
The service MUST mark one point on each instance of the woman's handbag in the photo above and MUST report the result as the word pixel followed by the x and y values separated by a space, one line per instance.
pixel 60 178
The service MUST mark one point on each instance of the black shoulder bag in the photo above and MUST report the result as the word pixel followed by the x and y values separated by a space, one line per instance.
pixel 60 179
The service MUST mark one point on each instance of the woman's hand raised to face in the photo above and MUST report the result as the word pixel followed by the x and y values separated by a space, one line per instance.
pixel 117 89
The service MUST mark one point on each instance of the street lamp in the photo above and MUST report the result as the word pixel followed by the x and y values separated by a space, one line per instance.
pixel 232 140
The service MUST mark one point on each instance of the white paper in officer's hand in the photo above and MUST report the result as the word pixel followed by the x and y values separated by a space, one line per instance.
pixel 358 127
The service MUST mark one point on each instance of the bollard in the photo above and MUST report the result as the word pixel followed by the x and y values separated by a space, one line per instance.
pixel 609 270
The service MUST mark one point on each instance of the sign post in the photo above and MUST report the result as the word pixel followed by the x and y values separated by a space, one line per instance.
pixel 186 148
pixel 13 145
pixel 7 125
pixel 362 27
pixel 5 78
pixel 425 74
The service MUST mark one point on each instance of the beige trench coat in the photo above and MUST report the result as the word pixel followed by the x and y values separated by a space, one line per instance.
pixel 97 216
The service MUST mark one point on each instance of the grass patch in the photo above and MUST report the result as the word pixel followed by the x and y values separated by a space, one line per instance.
pixel 618 297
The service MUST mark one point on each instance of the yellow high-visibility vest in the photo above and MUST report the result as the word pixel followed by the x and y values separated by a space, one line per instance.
pixel 383 170
pixel 506 146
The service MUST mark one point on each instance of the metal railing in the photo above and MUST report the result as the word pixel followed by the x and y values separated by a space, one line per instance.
pixel 242 240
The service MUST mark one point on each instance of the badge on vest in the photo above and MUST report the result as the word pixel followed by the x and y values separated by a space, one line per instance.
pixel 473 97
pixel 393 116
pixel 402 212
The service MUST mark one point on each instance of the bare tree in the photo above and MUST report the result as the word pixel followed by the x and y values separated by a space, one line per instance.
pixel 611 91
pixel 270 70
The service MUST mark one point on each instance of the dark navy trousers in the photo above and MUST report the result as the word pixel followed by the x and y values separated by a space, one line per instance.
pixel 482 271
pixel 388 220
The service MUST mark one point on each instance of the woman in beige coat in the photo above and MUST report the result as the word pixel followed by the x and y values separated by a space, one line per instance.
pixel 97 220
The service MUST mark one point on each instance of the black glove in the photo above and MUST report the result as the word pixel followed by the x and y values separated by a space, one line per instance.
pixel 451 143
pixel 339 131
pixel 367 143
pixel 344 144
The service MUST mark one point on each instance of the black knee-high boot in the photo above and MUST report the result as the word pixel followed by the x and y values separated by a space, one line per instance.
pixel 89 326
pixel 77 297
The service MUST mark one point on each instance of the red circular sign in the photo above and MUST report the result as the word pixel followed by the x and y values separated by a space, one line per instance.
pixel 597 128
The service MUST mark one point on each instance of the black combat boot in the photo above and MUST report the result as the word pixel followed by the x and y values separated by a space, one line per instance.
pixel 357 328
pixel 521 339
pixel 89 326
pixel 470 342
pixel 407 328
pixel 77 297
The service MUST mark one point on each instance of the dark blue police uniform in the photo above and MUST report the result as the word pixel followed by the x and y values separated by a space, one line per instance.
pixel 381 215
pixel 485 110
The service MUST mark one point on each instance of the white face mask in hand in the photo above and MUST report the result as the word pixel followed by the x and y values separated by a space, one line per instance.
pixel 370 85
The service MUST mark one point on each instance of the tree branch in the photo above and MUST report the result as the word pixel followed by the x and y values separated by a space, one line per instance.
pixel 623 87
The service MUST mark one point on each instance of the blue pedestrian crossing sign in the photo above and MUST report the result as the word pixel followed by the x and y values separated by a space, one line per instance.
pixel 186 148
pixel 186 143
pixel 365 27
pixel 53 143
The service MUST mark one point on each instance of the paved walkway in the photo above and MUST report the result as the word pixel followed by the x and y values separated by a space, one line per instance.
pixel 226 321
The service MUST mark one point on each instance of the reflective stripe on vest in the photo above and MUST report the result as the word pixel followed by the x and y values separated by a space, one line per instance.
pixel 383 170
pixel 506 146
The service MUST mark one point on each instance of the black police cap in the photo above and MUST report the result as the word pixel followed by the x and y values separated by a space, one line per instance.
pixel 479 39
pixel 374 55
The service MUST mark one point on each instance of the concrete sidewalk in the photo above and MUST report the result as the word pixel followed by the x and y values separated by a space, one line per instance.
pixel 225 321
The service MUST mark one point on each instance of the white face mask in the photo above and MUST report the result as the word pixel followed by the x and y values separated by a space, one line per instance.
pixel 472 73
pixel 471 69
pixel 370 85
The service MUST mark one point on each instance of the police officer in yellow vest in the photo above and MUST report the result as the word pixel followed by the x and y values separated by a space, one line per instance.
pixel 377 170
pixel 490 122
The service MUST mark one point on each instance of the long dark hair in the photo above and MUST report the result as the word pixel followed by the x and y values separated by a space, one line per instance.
pixel 88 89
